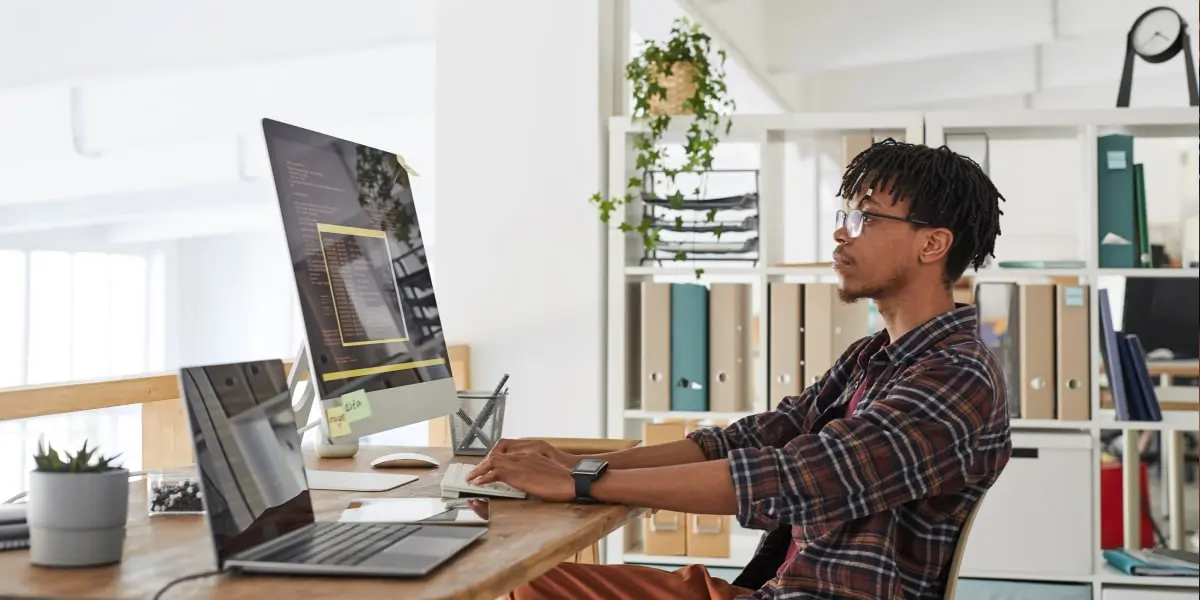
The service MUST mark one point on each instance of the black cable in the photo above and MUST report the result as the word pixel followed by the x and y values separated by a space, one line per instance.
pixel 158 595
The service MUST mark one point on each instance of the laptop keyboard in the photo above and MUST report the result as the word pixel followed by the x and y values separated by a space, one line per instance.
pixel 338 543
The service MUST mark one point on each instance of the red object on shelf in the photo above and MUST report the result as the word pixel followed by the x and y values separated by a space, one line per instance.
pixel 1112 506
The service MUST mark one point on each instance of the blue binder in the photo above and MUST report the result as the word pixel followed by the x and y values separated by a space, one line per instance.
pixel 689 347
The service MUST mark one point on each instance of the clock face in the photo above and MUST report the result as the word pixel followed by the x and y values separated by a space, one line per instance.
pixel 1156 31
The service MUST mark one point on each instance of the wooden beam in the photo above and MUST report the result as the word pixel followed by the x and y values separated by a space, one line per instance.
pixel 39 401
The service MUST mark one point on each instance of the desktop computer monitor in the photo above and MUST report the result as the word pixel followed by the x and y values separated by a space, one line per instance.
pixel 366 296
pixel 1161 311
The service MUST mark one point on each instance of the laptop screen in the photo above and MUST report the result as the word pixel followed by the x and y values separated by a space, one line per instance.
pixel 248 453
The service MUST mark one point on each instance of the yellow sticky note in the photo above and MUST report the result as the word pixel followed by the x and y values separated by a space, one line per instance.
pixel 338 425
pixel 404 165
pixel 356 406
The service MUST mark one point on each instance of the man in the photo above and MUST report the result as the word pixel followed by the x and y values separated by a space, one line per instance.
pixel 865 480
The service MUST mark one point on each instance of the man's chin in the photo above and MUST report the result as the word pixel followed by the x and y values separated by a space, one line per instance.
pixel 850 295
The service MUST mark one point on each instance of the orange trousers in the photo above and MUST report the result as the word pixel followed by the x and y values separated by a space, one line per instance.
pixel 573 581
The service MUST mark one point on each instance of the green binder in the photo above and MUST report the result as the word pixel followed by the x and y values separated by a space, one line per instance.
pixel 689 347
pixel 1117 231
pixel 1139 215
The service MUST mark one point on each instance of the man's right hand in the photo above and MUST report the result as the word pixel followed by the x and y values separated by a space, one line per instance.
pixel 539 447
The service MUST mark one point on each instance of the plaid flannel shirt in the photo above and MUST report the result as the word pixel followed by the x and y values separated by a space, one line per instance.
pixel 874 502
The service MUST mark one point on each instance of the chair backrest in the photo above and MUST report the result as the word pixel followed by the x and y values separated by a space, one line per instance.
pixel 959 550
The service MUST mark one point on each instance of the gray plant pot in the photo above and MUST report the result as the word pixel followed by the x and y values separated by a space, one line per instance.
pixel 77 519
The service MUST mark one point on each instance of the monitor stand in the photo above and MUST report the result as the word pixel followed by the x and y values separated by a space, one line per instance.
pixel 346 481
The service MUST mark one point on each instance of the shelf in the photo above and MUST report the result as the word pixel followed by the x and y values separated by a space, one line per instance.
pixel 1173 420
pixel 741 550
pixel 1110 575
pixel 1049 424
pixel 690 272
pixel 998 273
pixel 686 414
pixel 998 124
pixel 1165 272
pixel 1039 577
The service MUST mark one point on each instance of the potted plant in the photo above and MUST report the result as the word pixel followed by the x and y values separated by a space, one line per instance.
pixel 682 76
pixel 78 506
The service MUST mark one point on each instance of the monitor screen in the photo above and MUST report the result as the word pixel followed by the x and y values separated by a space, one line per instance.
pixel 362 275
pixel 1162 312
pixel 247 453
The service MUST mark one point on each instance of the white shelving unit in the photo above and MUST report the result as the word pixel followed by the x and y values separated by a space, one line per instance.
pixel 773 133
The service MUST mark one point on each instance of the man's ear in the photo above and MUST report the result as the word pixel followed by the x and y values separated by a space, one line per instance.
pixel 937 244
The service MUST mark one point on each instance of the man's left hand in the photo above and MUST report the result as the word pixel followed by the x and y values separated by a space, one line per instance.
pixel 533 474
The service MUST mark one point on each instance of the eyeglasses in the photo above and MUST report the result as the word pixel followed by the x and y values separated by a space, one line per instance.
pixel 853 220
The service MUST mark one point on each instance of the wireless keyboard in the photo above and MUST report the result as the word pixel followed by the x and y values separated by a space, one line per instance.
pixel 454 485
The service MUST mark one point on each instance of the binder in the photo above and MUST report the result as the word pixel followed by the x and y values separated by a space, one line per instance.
pixel 1110 353
pixel 729 347
pixel 1037 350
pixel 707 535
pixel 689 347
pixel 1116 217
pixel 664 533
pixel 785 341
pixel 1073 352
pixel 830 326
pixel 1144 258
pixel 1140 385
pixel 999 328
pixel 655 347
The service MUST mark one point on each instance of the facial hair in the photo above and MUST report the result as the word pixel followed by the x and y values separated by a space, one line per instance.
pixel 849 296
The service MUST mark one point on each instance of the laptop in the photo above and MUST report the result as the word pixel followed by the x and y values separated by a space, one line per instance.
pixel 256 497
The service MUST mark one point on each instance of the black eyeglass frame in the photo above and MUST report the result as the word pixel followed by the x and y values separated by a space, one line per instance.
pixel 843 216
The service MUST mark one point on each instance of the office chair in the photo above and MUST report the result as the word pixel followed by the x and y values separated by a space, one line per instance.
pixel 959 550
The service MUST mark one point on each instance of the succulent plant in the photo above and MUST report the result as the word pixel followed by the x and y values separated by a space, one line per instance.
pixel 86 460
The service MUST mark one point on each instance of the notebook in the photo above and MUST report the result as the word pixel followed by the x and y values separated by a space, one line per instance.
pixel 454 485
pixel 14 531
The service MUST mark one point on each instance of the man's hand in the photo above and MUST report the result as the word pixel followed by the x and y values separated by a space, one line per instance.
pixel 536 447
pixel 533 474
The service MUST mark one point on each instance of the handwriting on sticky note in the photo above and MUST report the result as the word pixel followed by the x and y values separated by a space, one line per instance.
pixel 338 424
pixel 356 406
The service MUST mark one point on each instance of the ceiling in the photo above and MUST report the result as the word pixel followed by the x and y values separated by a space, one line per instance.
pixel 142 124
pixel 930 54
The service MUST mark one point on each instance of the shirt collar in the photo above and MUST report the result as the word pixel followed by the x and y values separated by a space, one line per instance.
pixel 962 317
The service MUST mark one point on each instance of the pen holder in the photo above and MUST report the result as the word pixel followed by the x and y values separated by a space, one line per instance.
pixel 174 492
pixel 478 423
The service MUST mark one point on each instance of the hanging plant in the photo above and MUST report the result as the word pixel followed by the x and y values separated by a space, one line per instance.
pixel 678 77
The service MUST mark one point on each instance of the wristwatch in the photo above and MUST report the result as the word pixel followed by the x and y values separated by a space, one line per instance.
pixel 585 473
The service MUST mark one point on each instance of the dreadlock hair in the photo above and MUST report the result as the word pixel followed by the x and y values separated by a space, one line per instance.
pixel 943 189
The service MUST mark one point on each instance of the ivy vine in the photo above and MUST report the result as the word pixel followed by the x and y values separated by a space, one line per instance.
pixel 708 106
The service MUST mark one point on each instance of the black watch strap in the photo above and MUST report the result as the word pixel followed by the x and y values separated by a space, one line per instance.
pixel 583 488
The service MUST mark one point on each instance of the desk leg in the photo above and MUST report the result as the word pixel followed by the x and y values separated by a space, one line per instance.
pixel 589 555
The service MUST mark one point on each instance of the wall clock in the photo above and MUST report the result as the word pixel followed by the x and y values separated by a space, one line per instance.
pixel 1156 37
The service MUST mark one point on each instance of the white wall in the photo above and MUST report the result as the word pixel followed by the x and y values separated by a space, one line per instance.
pixel 1042 181
pixel 235 300
pixel 518 265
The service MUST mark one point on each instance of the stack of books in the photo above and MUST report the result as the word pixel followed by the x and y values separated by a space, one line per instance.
pixel 14 531
pixel 1158 562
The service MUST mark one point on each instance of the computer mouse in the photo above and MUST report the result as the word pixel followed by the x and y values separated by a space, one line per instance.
pixel 405 460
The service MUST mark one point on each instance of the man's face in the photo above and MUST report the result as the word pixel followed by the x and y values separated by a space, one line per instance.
pixel 883 256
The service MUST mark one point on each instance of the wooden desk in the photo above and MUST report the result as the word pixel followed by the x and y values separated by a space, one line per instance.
pixel 526 538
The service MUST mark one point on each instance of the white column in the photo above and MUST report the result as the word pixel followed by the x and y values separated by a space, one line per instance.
pixel 523 91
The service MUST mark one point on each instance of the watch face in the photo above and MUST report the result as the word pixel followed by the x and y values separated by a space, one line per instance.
pixel 1156 31
pixel 589 466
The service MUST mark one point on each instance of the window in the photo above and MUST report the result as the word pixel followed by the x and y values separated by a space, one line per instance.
pixel 70 316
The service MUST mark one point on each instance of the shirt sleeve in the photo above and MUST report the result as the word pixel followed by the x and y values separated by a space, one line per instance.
pixel 772 429
pixel 918 441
